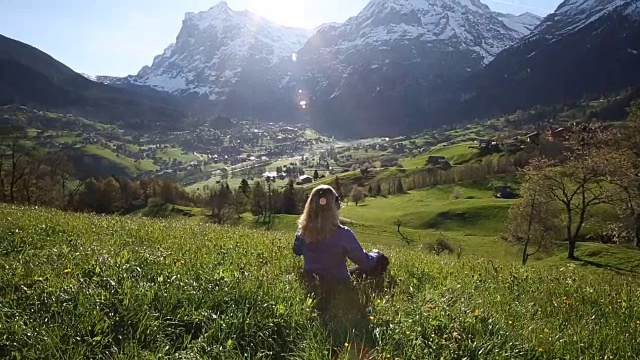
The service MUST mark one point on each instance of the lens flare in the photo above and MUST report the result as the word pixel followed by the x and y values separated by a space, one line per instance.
pixel 294 57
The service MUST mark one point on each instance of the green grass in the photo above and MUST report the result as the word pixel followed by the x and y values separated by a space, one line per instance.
pixel 177 154
pixel 76 286
pixel 456 154
pixel 126 163
pixel 474 221
pixel 170 211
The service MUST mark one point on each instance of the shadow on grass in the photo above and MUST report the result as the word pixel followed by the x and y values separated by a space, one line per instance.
pixel 344 312
pixel 617 269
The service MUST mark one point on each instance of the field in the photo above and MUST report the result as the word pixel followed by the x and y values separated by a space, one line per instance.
pixel 456 154
pixel 127 164
pixel 80 286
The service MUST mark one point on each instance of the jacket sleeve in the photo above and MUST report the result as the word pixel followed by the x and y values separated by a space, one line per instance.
pixel 356 253
pixel 298 245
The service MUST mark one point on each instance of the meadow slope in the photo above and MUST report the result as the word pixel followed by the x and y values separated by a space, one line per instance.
pixel 81 286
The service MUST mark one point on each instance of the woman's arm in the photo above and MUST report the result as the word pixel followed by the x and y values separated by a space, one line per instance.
pixel 298 245
pixel 356 253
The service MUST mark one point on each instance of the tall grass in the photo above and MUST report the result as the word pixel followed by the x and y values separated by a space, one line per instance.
pixel 81 286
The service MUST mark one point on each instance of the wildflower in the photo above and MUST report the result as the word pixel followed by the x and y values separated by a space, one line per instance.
pixel 540 350
pixel 67 271
pixel 371 318
pixel 476 313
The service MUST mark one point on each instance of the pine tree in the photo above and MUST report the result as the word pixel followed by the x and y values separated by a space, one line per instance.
pixel 399 188
pixel 289 205
pixel 245 187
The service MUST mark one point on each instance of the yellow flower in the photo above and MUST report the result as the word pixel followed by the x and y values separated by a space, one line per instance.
pixel 346 344
pixel 476 313
pixel 371 318
pixel 67 271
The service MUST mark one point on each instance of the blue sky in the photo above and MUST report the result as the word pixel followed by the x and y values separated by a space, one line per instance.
pixel 118 37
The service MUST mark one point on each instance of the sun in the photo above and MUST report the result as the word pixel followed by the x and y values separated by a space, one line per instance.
pixel 284 12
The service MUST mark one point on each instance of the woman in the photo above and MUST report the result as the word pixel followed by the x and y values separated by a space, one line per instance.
pixel 325 244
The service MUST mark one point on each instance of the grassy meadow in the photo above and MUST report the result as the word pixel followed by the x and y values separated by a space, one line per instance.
pixel 139 288
pixel 456 154
pixel 79 286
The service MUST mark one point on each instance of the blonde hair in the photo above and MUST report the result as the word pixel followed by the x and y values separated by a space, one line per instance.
pixel 319 221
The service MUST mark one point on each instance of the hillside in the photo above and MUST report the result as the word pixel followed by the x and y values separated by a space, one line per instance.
pixel 147 289
pixel 584 49
pixel 30 77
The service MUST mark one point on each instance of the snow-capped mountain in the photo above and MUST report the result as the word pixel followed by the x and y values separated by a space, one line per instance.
pixel 221 50
pixel 585 48
pixel 573 15
pixel 523 24
pixel 90 77
pixel 376 68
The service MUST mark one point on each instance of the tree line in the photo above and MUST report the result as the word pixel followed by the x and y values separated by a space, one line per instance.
pixel 596 182
pixel 34 177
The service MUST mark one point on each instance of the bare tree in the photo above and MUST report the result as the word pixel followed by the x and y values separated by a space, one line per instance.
pixel 357 194
pixel 580 183
pixel 533 221
pixel 13 158
pixel 404 238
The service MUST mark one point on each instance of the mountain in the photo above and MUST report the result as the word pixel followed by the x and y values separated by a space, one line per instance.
pixel 377 73
pixel 586 48
pixel 523 24
pixel 30 77
pixel 234 57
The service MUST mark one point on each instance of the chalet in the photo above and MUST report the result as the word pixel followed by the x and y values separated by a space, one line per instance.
pixel 270 175
pixel 511 145
pixel 435 160
pixel 484 143
pixel 504 192
pixel 534 138
pixel 558 134
pixel 439 162
pixel 445 165
pixel 305 179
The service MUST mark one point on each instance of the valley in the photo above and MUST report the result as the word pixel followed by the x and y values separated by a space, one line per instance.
pixel 493 157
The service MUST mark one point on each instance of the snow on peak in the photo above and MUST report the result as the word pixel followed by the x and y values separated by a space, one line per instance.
pixel 572 15
pixel 468 23
pixel 90 77
pixel 325 26
pixel 215 46
pixel 523 24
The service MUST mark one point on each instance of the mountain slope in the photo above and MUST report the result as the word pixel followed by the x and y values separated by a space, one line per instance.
pixel 371 75
pixel 234 57
pixel 586 48
pixel 30 77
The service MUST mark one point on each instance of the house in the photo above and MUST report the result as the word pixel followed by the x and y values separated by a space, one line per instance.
pixel 305 179
pixel 511 145
pixel 534 138
pixel 504 192
pixel 444 165
pixel 484 143
pixel 435 160
pixel 558 134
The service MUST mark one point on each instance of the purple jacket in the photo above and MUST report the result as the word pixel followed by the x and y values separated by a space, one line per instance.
pixel 328 258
